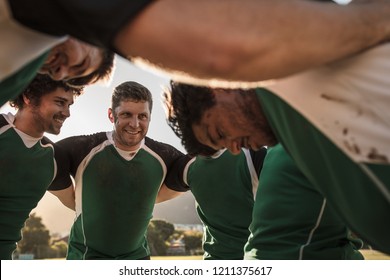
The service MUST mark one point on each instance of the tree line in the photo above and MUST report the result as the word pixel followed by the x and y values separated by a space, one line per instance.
pixel 38 243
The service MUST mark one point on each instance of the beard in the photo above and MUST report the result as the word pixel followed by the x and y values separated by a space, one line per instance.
pixel 250 108
pixel 125 142
pixel 44 124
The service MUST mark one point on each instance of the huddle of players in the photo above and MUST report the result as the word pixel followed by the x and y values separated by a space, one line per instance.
pixel 343 154
pixel 249 203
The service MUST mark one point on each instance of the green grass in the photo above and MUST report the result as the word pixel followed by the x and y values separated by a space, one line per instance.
pixel 176 257
pixel 368 255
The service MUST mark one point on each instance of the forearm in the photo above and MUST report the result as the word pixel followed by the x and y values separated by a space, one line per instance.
pixel 166 194
pixel 66 196
pixel 252 40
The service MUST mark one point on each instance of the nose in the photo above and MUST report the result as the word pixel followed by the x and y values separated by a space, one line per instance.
pixel 59 73
pixel 233 146
pixel 66 112
pixel 134 122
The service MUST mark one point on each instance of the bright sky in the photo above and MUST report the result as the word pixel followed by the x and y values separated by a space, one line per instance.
pixel 89 115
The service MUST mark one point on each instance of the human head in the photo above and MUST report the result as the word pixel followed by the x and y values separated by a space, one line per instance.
pixel 218 118
pixel 78 63
pixel 185 109
pixel 131 107
pixel 44 105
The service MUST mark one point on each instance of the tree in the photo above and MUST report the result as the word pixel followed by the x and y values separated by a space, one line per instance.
pixel 59 249
pixel 36 238
pixel 159 231
pixel 193 241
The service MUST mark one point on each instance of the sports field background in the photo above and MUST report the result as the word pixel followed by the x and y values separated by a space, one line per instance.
pixel 368 255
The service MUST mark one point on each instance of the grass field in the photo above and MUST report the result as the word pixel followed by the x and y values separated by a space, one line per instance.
pixel 176 257
pixel 368 255
pixel 374 255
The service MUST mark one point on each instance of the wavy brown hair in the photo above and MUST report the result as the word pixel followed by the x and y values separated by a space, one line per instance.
pixel 102 73
pixel 40 86
pixel 185 105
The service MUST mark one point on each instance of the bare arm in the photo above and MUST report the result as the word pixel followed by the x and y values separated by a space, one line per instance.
pixel 66 196
pixel 165 194
pixel 251 40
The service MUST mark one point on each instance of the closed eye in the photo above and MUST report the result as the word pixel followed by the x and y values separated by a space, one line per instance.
pixel 220 134
pixel 80 68
pixel 80 64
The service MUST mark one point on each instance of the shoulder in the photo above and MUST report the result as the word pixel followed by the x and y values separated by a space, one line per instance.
pixel 3 121
pixel 166 151
pixel 46 141
pixel 79 146
pixel 159 146
pixel 92 139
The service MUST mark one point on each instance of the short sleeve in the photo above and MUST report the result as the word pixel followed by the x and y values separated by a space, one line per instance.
pixel 93 21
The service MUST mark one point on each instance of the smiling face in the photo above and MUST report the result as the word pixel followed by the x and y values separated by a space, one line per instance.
pixel 72 59
pixel 235 121
pixel 131 120
pixel 51 112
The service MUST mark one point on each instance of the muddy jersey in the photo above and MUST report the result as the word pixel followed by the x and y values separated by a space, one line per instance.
pixel 224 187
pixel 27 167
pixel 292 220
pixel 115 194
pixel 334 121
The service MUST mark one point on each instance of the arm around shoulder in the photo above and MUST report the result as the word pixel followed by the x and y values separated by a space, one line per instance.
pixel 251 40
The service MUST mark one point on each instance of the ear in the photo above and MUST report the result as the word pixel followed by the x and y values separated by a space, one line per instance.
pixel 26 100
pixel 111 115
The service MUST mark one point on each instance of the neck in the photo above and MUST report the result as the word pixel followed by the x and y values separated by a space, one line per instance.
pixel 26 123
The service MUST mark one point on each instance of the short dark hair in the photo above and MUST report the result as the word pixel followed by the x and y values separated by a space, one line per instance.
pixel 102 73
pixel 132 91
pixel 40 86
pixel 185 105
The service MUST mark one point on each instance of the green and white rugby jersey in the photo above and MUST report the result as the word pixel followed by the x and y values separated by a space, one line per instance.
pixel 27 167
pixel 292 220
pixel 335 123
pixel 224 187
pixel 115 194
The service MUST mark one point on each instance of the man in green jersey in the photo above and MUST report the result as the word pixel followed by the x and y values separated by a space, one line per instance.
pixel 27 164
pixel 334 123
pixel 118 175
pixel 292 220
pixel 224 187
